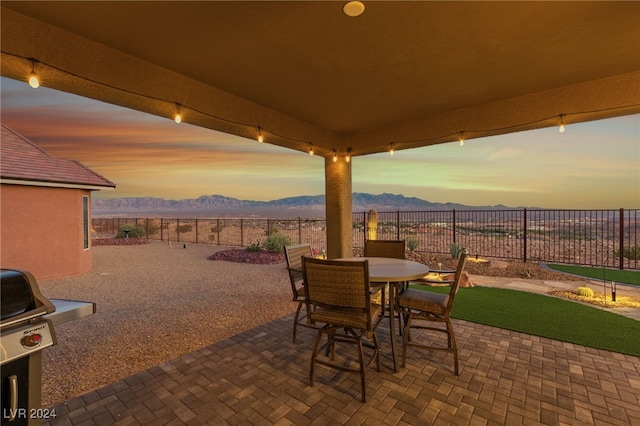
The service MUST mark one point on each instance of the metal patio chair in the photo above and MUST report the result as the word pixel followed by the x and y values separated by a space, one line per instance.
pixel 340 294
pixel 294 254
pixel 419 308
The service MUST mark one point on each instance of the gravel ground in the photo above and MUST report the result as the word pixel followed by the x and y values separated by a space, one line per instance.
pixel 154 303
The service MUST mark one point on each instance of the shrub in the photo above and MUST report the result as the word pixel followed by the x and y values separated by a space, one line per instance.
pixel 135 231
pixel 412 244
pixel 631 253
pixel 584 292
pixel 152 228
pixel 456 250
pixel 185 228
pixel 254 247
pixel 276 242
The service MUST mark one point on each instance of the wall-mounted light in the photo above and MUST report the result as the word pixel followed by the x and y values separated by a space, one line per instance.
pixel 310 149
pixel 260 137
pixel 178 117
pixel 335 155
pixel 561 128
pixel 34 81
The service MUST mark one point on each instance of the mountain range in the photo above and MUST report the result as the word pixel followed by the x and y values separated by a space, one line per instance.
pixel 312 206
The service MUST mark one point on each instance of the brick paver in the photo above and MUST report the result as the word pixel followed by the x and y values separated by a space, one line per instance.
pixel 260 378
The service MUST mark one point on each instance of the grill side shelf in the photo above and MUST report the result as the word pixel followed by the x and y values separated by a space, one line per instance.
pixel 69 310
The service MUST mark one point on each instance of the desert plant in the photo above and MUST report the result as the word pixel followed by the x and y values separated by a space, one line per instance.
pixel 276 242
pixel 412 244
pixel 584 292
pixel 152 228
pixel 185 228
pixel 456 250
pixel 134 231
pixel 254 247
pixel 372 225
pixel 631 253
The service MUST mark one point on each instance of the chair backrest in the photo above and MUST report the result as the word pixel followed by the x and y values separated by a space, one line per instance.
pixel 338 285
pixel 384 248
pixel 294 255
pixel 456 281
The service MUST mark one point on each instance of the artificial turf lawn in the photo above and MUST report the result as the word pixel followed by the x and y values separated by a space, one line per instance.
pixel 617 275
pixel 545 316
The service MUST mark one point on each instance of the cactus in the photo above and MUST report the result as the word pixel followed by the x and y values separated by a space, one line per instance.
pixel 584 292
pixel 372 225
pixel 456 250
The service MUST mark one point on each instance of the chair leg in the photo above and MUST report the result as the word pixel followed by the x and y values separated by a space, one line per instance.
pixel 405 338
pixel 453 346
pixel 313 355
pixel 295 320
pixel 362 371
pixel 377 349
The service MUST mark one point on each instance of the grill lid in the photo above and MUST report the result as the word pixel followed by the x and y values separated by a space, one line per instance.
pixel 21 298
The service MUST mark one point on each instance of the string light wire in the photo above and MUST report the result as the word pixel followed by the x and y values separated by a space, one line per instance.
pixel 393 145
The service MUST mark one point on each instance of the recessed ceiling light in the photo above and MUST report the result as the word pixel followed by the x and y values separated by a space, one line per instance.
pixel 353 8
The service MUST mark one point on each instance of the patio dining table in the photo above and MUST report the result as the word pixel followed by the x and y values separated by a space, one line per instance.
pixel 393 272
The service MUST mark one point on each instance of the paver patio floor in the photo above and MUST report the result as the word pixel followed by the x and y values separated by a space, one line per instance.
pixel 260 377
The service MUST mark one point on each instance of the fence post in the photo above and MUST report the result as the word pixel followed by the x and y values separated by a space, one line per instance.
pixel 524 236
pixel 454 225
pixel 398 225
pixel 299 231
pixel 161 229
pixel 218 229
pixel 178 229
pixel 621 246
pixel 196 230
pixel 241 233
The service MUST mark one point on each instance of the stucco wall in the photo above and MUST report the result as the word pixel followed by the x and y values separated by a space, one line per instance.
pixel 41 231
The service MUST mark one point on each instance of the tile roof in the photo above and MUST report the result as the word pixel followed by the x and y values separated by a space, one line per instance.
pixel 22 160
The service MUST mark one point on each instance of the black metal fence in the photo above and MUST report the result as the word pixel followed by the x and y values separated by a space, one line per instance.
pixel 608 238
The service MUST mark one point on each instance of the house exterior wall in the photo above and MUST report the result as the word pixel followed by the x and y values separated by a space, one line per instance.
pixel 41 230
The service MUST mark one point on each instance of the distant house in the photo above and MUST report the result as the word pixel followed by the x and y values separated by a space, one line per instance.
pixel 45 209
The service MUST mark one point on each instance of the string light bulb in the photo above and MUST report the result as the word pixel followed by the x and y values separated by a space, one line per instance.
pixel 178 116
pixel 260 137
pixel 348 157
pixel 310 149
pixel 34 81
pixel 461 139
pixel 391 149
pixel 561 128
pixel 335 155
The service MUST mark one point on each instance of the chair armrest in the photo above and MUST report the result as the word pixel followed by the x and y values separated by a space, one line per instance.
pixel 376 288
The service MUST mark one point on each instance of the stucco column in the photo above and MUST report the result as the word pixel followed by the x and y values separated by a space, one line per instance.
pixel 338 208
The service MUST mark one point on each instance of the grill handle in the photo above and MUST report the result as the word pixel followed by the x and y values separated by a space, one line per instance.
pixel 13 397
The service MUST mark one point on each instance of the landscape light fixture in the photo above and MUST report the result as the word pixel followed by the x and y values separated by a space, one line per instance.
pixel 178 116
pixel 353 8
pixel 260 137
pixel 34 81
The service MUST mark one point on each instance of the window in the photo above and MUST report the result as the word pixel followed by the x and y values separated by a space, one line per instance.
pixel 85 221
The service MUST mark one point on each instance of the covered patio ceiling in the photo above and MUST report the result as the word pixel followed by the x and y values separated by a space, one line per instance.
pixel 401 75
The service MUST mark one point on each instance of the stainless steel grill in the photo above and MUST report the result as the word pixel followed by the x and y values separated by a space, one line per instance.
pixel 27 322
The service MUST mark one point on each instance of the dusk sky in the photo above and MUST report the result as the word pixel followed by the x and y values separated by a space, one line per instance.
pixel 593 165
